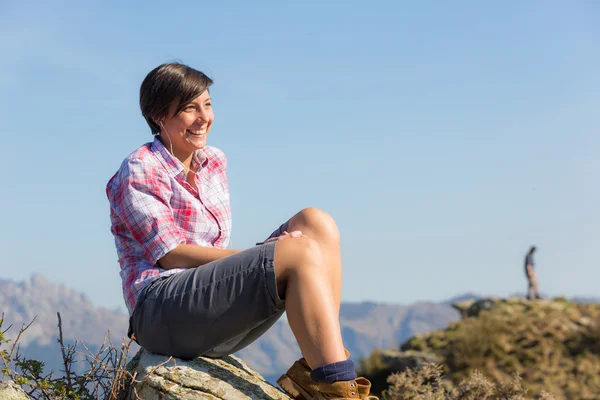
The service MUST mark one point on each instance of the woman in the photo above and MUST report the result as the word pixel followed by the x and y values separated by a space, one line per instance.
pixel 187 294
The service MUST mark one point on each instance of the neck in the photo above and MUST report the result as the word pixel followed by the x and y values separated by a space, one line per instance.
pixel 184 157
pixel 186 161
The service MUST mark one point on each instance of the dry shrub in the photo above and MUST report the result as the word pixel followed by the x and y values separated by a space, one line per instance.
pixel 105 376
pixel 427 384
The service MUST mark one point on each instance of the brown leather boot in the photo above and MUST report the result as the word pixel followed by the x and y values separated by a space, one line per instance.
pixel 359 388
pixel 297 383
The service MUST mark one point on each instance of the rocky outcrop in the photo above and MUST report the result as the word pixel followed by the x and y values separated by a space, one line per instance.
pixel 229 378
pixel 472 308
pixel 554 345
pixel 12 391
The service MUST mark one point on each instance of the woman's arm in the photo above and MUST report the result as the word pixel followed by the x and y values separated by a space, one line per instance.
pixel 140 196
pixel 192 255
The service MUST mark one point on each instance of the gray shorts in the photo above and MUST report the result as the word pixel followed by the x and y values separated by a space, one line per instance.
pixel 214 310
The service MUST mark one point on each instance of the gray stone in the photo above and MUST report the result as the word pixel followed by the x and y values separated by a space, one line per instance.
pixel 12 391
pixel 463 307
pixel 228 378
pixel 472 308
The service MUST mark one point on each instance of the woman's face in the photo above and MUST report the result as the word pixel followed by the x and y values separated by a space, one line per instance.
pixel 187 131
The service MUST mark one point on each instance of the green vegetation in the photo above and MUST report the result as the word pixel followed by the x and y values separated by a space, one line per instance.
pixel 551 346
pixel 105 377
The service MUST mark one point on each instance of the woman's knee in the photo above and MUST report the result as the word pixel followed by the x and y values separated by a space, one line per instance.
pixel 293 255
pixel 317 220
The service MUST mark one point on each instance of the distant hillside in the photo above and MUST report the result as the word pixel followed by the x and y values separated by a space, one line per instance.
pixel 554 346
pixel 365 326
pixel 41 299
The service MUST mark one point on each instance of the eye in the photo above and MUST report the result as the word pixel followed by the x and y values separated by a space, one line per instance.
pixel 189 107
pixel 209 104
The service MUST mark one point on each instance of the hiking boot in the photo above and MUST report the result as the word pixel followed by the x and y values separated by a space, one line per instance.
pixel 358 388
pixel 297 383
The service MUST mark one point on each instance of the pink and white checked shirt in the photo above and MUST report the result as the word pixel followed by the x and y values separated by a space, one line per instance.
pixel 153 210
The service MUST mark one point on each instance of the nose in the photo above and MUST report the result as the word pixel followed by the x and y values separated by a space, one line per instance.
pixel 202 116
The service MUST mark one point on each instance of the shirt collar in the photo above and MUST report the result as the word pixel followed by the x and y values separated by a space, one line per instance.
pixel 172 164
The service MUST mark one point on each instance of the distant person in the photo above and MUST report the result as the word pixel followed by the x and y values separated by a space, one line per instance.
pixel 188 295
pixel 532 282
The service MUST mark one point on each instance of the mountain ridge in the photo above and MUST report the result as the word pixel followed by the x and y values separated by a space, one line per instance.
pixel 365 325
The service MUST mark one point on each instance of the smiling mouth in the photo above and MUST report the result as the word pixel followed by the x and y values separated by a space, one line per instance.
pixel 199 132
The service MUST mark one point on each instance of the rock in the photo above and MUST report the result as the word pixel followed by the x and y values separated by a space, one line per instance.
pixel 472 308
pixel 228 378
pixel 399 361
pixel 463 307
pixel 12 391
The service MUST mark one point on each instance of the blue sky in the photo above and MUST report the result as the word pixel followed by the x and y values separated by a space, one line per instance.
pixel 445 139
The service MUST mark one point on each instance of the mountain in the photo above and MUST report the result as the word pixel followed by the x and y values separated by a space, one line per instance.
pixel 38 298
pixel 365 326
pixel 41 299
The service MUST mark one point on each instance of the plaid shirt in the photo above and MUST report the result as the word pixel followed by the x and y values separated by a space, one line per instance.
pixel 153 209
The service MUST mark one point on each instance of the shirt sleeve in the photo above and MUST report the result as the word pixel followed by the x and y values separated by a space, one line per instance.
pixel 143 204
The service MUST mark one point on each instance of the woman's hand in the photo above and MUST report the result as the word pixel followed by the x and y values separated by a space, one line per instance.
pixel 286 234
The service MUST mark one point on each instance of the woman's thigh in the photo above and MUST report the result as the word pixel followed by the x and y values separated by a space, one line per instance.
pixel 214 310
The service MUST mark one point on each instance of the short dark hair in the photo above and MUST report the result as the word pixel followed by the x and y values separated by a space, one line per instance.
pixel 168 83
pixel 532 249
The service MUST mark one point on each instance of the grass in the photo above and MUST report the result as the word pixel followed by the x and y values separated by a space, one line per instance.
pixel 552 346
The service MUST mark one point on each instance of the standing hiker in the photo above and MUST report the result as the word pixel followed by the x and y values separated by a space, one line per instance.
pixel 187 294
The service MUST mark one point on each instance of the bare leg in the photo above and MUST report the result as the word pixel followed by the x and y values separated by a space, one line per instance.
pixel 533 288
pixel 311 289
pixel 320 226
pixel 536 287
